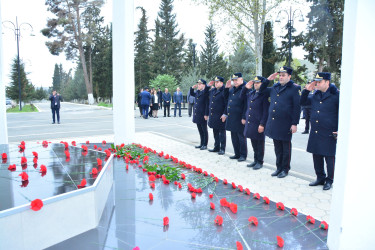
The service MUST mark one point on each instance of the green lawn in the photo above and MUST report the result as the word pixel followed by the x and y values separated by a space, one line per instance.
pixel 26 108
pixel 103 104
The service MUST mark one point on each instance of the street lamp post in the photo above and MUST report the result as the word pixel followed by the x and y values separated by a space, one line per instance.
pixel 290 27
pixel 17 32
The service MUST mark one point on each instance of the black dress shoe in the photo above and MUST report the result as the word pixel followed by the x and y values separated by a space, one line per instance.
pixel 53 123
pixel 327 186
pixel 203 147
pixel 234 157
pixel 316 183
pixel 164 116
pixel 213 150
pixel 199 146
pixel 276 173
pixel 258 166
pixel 252 164
pixel 282 174
pixel 221 152
pixel 241 159
pixel 180 115
pixel 305 132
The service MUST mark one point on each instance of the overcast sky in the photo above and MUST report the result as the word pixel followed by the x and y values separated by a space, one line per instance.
pixel 192 20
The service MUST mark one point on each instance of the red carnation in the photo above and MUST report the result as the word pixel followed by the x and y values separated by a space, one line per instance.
pixel 12 167
pixel 294 211
pixel 24 176
pixel 205 173
pixel 36 204
pixel 94 171
pixel 224 202
pixel 280 206
pixel 166 181
pixel 266 200
pixel 104 142
pixel 83 183
pixel 127 167
pixel 193 195
pixel 240 188
pixel 225 182
pixel 23 160
pixel 179 185
pixel 253 220
pixel 151 196
pixel 108 153
pixel 239 245
pixel 256 196
pixel 233 207
pixel 152 178
pixel 35 160
pixel 84 148
pixel 74 143
pixel 165 221
pixel 247 191
pixel 233 185
pixel 323 225
pixel 199 190
pixel 4 156
pixel 67 154
pixel 100 149
pixel 211 196
pixel 176 183
pixel 87 142
pixel 310 219
pixel 280 241
pixel 99 161
pixel 43 169
pixel 216 179
pixel 45 144
pixel 219 220
pixel 35 154
pixel 152 185
pixel 95 147
pixel 212 205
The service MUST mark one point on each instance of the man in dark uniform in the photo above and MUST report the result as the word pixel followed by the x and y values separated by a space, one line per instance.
pixel 306 114
pixel 160 98
pixel 324 125
pixel 167 102
pixel 200 115
pixel 139 97
pixel 217 105
pixel 256 118
pixel 235 117
pixel 283 117
pixel 55 99
pixel 145 102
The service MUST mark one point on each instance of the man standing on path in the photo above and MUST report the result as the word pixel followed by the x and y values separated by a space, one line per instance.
pixel 167 101
pixel 177 100
pixel 190 100
pixel 324 125
pixel 55 99
pixel 306 113
pixel 145 102
pixel 283 117
pixel 160 98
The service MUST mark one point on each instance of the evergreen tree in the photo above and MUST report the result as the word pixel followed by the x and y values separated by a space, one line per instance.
pixel 27 89
pixel 142 65
pixel 168 46
pixel 269 58
pixel 189 56
pixel 243 60
pixel 40 94
pixel 56 79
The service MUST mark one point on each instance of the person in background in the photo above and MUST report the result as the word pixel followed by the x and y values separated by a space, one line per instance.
pixel 139 97
pixel 160 98
pixel 55 99
pixel 155 104
pixel 190 100
pixel 177 100
pixel 167 101
pixel 145 102
pixel 306 114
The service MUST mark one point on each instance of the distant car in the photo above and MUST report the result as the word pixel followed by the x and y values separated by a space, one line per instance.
pixel 8 102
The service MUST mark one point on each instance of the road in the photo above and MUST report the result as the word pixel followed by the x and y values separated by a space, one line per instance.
pixel 82 120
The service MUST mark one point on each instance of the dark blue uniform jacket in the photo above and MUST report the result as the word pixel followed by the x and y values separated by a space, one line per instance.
pixel 284 110
pixel 218 103
pixel 200 105
pixel 236 109
pixel 145 98
pixel 256 112
pixel 324 120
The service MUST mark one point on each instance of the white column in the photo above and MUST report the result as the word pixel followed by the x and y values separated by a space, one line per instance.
pixel 123 71
pixel 3 115
pixel 352 223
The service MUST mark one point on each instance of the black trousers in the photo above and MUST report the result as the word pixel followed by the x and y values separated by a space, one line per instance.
pixel 56 111
pixel 283 151
pixel 307 118
pixel 140 110
pixel 160 105
pixel 258 147
pixel 190 108
pixel 167 107
pixel 203 133
pixel 319 167
pixel 220 137
pixel 239 144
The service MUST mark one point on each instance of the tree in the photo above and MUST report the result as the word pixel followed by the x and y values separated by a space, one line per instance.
pixel 323 40
pixel 27 89
pixel 189 56
pixel 269 59
pixel 189 78
pixel 142 45
pixel 40 94
pixel 69 34
pixel 168 46
pixel 56 79
pixel 75 89
pixel 164 81
pixel 248 19
pixel 243 60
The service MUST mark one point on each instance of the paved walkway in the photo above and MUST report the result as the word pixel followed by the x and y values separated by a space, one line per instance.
pixel 292 191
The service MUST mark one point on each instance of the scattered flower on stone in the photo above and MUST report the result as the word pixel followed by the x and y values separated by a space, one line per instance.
pixel 179 185
pixel 266 200
pixel 224 202
pixel 151 177
pixel 310 219
pixel 23 160
pixel 12 167
pixel 256 196
pixel 225 182
pixel 35 154
pixel 233 185
pixel 151 196
pixel 95 147
pixel 247 191
pixel 45 144
pixel 99 161
pixel 253 220
pixel 104 142
pixel 280 241
pixel 323 225
pixel 211 196
pixel 152 185
pixel 36 204
pixel 239 245
pixel 4 156
pixel 165 221
pixel 83 183
pixel 24 176
pixel 294 211
pixel 67 154
pixel 218 220
pixel 74 143
pixel 280 206
pixel 84 147
pixel 43 169
pixel 212 205
pixel 216 179
pixel 35 160
pixel 233 207
pixel 193 195
pixel 240 188
pixel 94 171
pixel 87 142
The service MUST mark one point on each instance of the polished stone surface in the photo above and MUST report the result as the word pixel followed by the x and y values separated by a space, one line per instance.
pixel 62 175
pixel 136 221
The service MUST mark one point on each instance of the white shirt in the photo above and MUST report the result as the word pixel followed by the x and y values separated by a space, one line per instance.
pixel 156 99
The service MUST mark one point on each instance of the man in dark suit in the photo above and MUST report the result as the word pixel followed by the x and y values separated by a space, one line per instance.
pixel 200 116
pixel 216 120
pixel 235 117
pixel 145 102
pixel 160 98
pixel 283 117
pixel 55 99
pixel 191 101
pixel 177 100
pixel 139 97
pixel 307 113
pixel 256 118
pixel 167 101
pixel 324 125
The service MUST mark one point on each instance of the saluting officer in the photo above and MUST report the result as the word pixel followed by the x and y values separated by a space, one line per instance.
pixel 235 117
pixel 283 117
pixel 324 125
pixel 256 118
pixel 216 120
pixel 200 115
